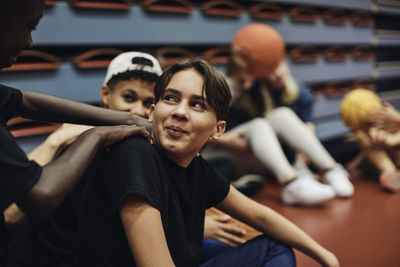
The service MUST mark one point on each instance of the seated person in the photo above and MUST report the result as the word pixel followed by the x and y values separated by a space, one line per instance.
pixel 144 204
pixel 263 120
pixel 39 190
pixel 376 128
pixel 264 115
pixel 128 86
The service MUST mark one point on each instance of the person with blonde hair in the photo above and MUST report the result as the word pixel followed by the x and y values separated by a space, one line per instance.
pixel 270 109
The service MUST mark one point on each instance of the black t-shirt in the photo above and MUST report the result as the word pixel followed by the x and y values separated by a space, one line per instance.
pixel 180 194
pixel 55 236
pixel 18 174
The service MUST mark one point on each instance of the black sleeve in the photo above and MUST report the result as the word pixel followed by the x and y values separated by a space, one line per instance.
pixel 10 101
pixel 18 174
pixel 218 186
pixel 131 168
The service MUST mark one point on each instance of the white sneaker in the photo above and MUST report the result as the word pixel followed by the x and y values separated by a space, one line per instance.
pixel 305 190
pixel 338 178
pixel 302 168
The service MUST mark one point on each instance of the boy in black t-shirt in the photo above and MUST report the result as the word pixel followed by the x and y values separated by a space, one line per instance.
pixel 145 204
pixel 39 190
pixel 128 86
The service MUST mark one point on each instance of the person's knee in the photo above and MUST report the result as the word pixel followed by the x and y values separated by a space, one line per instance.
pixel 258 123
pixel 283 118
pixel 282 113
pixel 277 252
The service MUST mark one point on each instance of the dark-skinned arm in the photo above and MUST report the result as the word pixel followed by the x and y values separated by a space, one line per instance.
pixel 62 174
pixel 43 107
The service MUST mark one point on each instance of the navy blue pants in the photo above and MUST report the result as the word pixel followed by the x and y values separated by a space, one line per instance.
pixel 260 251
pixel 211 248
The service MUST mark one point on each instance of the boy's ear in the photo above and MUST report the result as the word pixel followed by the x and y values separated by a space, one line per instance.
pixel 151 112
pixel 220 129
pixel 105 93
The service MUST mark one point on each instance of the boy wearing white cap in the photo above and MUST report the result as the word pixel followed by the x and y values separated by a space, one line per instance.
pixel 128 86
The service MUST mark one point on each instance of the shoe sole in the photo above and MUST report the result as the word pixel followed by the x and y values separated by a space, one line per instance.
pixel 249 178
pixel 289 200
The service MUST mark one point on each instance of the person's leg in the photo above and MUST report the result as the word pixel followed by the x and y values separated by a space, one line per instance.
pixel 260 251
pixel 211 248
pixel 266 148
pixel 292 130
pixel 383 161
pixel 389 176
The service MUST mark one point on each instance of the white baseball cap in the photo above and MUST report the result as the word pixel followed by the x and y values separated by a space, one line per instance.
pixel 125 62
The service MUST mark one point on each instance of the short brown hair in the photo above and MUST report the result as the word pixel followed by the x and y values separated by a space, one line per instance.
pixel 215 87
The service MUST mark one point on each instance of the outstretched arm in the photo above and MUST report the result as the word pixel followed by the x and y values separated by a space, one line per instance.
pixel 61 175
pixel 145 233
pixel 45 107
pixel 275 225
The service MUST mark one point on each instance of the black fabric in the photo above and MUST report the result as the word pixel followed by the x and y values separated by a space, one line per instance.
pixel 20 244
pixel 18 174
pixel 225 166
pixel 342 149
pixel 180 194
pixel 238 112
pixel 55 236
pixel 251 104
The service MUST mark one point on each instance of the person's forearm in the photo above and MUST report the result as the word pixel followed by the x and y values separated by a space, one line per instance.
pixel 270 222
pixel 44 153
pixel 44 107
pixel 56 142
pixel 61 175
pixel 285 231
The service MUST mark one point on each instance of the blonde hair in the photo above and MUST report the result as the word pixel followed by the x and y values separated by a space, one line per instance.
pixel 290 94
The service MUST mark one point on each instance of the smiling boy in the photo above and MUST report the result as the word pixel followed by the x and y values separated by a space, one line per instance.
pixel 145 205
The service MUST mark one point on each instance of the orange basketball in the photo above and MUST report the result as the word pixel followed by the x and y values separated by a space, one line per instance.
pixel 261 46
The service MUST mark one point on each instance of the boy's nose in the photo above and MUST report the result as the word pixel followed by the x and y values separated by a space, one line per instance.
pixel 181 111
pixel 139 109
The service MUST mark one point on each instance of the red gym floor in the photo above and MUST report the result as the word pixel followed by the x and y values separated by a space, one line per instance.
pixel 361 231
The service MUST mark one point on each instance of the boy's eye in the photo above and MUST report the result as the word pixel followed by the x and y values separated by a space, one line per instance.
pixel 199 105
pixel 170 98
pixel 129 98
